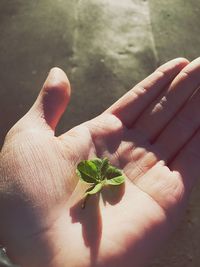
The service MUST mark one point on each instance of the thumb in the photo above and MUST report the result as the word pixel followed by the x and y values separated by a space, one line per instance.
pixel 52 99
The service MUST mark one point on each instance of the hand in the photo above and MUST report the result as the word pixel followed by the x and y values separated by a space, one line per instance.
pixel 152 133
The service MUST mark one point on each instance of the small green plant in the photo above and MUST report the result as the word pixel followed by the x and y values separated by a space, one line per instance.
pixel 98 173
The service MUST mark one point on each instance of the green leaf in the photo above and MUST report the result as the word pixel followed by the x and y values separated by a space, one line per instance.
pixel 116 181
pixel 114 176
pixel 90 191
pixel 94 189
pixel 97 162
pixel 98 172
pixel 112 172
pixel 104 167
pixel 87 171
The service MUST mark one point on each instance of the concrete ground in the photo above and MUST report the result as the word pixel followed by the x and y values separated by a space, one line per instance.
pixel 105 46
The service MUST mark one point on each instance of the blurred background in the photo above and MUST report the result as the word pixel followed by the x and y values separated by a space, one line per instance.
pixel 105 47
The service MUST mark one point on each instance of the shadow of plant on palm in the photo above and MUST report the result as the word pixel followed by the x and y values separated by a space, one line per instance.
pixel 91 219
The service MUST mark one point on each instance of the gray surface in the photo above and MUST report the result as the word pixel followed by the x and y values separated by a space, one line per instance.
pixel 105 47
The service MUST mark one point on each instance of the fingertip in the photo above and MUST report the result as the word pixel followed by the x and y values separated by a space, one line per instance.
pixel 57 81
pixel 176 63
pixel 182 60
pixel 55 96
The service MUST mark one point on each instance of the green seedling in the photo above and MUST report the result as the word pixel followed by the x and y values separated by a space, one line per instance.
pixel 98 173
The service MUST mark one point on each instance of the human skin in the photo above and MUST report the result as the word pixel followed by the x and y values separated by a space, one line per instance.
pixel 151 133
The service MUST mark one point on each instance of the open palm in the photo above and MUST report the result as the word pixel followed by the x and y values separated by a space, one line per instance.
pixel 151 133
